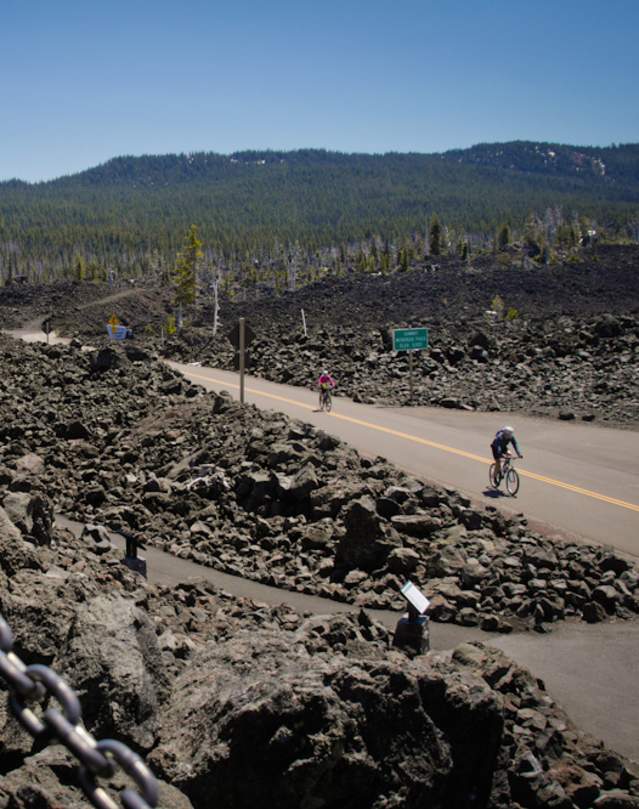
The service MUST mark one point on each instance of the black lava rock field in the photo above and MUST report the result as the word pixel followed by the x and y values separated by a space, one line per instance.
pixel 122 440
pixel 563 341
pixel 228 699
pixel 505 334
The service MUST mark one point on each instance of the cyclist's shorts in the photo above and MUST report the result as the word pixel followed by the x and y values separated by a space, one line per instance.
pixel 497 450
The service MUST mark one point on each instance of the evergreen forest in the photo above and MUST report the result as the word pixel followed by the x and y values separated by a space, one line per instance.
pixel 130 214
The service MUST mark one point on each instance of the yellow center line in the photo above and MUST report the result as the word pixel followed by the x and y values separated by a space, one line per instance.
pixel 427 443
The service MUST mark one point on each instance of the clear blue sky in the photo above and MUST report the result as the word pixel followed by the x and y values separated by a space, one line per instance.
pixel 81 82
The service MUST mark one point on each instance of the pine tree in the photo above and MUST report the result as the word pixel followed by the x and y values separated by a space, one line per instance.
pixel 435 236
pixel 79 268
pixel 403 259
pixel 503 238
pixel 185 276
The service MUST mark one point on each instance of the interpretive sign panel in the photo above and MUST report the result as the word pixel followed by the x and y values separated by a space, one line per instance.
pixel 415 597
pixel 118 332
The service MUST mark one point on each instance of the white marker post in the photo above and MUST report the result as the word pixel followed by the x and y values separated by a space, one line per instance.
pixel 242 358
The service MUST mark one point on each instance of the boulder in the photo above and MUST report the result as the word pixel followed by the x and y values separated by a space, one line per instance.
pixel 49 779
pixel 113 659
pixel 403 561
pixel 32 514
pixel 607 596
pixel 416 525
pixel 105 359
pixel 318 536
pixel 315 729
pixel 15 553
pixel 364 545
pixel 446 561
pixel 30 463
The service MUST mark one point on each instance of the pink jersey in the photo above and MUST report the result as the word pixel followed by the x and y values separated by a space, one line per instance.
pixel 326 379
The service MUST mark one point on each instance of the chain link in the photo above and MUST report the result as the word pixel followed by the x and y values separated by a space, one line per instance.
pixel 30 684
pixel 134 767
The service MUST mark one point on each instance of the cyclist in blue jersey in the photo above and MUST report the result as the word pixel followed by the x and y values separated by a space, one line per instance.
pixel 499 446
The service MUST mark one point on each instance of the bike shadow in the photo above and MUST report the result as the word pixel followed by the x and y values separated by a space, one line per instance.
pixel 495 493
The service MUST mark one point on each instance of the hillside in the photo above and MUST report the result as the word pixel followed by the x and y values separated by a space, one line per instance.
pixel 116 214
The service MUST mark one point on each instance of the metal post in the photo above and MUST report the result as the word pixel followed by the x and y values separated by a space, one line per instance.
pixel 242 358
pixel 304 323
pixel 410 375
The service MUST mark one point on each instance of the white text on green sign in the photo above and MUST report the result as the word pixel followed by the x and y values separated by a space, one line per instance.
pixel 410 339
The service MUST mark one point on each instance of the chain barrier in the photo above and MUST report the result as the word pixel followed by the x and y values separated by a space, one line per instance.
pixel 34 684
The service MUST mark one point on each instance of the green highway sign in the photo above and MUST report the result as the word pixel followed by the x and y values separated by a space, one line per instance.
pixel 410 339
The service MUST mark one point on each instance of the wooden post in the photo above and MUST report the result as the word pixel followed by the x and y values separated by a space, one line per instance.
pixel 304 323
pixel 242 358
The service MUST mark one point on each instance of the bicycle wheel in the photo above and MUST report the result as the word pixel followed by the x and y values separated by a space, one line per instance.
pixel 329 402
pixel 492 477
pixel 512 482
pixel 321 400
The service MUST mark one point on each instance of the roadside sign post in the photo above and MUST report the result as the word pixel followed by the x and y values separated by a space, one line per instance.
pixel 47 328
pixel 410 340
pixel 241 336
pixel 410 376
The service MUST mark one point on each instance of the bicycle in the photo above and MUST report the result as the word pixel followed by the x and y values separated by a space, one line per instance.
pixel 508 473
pixel 325 399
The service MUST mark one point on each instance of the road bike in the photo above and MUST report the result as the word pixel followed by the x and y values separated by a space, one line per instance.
pixel 325 399
pixel 508 474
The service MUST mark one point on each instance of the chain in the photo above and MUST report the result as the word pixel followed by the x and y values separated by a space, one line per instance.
pixel 33 684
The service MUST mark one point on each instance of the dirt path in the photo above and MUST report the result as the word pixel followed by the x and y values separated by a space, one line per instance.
pixel 117 296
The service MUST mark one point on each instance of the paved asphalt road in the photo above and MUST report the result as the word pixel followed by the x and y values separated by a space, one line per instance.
pixel 575 478
pixel 582 478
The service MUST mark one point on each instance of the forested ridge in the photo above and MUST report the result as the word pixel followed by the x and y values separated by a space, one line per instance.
pixel 130 207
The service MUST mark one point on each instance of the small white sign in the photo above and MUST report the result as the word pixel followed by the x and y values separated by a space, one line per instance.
pixel 415 597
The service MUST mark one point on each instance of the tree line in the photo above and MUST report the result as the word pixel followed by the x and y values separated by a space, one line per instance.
pixel 308 209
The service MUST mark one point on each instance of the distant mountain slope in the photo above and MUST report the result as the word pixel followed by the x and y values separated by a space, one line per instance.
pixel 619 164
pixel 314 196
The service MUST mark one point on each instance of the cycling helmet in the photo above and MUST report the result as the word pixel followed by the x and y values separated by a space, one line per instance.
pixel 324 372
pixel 508 430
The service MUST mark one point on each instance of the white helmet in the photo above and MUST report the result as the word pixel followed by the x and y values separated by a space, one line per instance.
pixel 508 430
